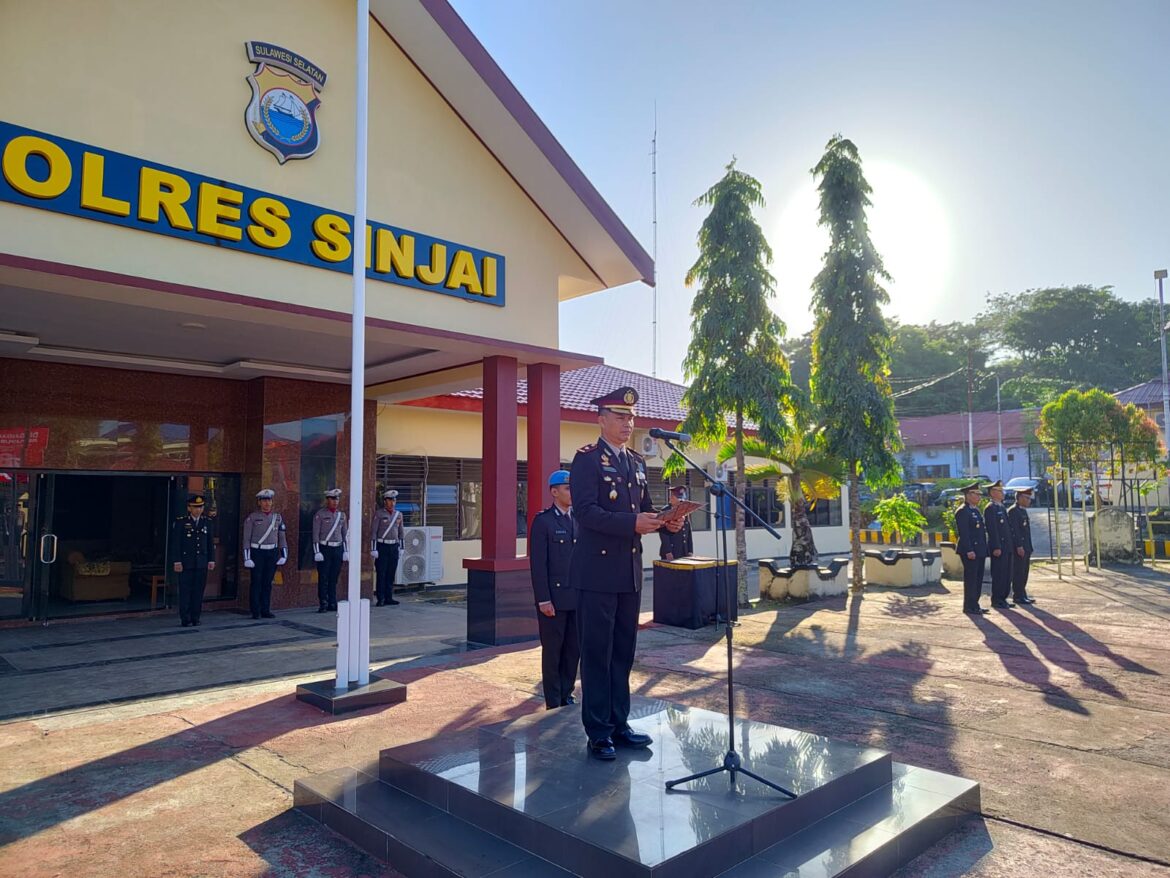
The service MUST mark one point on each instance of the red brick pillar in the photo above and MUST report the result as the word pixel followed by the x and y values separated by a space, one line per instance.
pixel 499 458
pixel 544 432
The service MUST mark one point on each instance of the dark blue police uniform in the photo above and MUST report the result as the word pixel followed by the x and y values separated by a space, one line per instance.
pixel 191 542
pixel 972 538
pixel 999 536
pixel 550 545
pixel 1022 539
pixel 609 490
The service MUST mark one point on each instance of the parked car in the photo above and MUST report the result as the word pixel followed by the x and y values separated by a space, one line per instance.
pixel 1041 490
pixel 949 497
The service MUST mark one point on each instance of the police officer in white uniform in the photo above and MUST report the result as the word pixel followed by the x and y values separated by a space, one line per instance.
pixel 265 549
pixel 330 535
pixel 386 536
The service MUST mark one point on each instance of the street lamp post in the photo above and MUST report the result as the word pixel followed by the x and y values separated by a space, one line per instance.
pixel 1159 276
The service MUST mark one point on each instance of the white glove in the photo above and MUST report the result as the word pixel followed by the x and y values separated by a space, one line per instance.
pixel 280 562
pixel 345 556
pixel 249 563
pixel 373 553
pixel 318 557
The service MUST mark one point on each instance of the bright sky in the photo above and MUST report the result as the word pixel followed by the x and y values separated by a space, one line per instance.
pixel 1010 145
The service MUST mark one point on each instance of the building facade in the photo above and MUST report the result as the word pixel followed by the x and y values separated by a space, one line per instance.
pixel 175 296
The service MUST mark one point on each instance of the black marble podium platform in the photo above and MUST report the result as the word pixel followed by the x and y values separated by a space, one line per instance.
pixel 522 798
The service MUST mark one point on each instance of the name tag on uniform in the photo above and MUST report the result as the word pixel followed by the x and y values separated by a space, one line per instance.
pixel 609 469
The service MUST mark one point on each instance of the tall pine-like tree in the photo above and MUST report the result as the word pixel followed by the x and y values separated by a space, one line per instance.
pixel 849 374
pixel 734 364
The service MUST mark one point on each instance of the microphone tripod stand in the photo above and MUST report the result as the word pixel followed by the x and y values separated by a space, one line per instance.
pixel 732 763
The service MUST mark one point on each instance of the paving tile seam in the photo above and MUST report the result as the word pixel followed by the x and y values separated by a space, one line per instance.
pixel 941 675
pixel 975 730
pixel 1156 611
pixel 955 623
pixel 1056 640
pixel 171 631
pixel 102 703
pixel 210 650
pixel 1060 836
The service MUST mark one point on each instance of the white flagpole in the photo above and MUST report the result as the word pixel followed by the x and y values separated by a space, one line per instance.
pixel 357 376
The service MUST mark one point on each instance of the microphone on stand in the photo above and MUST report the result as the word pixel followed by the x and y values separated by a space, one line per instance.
pixel 658 433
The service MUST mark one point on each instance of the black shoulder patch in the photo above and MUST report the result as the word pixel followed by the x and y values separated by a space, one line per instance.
pixel 587 448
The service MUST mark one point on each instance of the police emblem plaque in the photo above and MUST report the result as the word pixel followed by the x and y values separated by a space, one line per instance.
pixel 286 92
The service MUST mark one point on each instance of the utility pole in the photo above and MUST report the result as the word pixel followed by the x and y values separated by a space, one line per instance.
pixel 1159 276
pixel 999 428
pixel 654 248
pixel 970 420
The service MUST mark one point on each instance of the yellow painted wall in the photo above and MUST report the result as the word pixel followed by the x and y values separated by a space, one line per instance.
pixel 165 81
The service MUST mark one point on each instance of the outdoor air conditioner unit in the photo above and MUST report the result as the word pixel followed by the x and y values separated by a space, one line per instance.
pixel 933 452
pixel 649 447
pixel 421 559
pixel 717 471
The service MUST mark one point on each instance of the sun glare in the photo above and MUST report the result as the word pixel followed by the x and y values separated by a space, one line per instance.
pixel 910 229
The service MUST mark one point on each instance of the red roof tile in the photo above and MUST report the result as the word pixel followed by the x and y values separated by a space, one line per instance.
pixel 951 429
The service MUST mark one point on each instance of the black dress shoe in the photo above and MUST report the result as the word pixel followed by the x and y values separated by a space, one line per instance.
pixel 255 615
pixel 391 603
pixel 570 700
pixel 321 610
pixel 978 611
pixel 185 624
pixel 378 604
pixel 1025 600
pixel 630 738
pixel 333 608
pixel 267 615
pixel 196 623
pixel 602 749
pixel 1003 605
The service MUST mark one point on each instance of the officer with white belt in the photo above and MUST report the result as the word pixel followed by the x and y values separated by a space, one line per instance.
pixel 330 535
pixel 265 549
pixel 386 536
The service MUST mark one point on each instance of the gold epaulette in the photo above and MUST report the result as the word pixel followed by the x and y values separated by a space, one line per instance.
pixel 587 448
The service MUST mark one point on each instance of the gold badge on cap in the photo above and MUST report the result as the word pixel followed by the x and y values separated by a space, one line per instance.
pixel 629 397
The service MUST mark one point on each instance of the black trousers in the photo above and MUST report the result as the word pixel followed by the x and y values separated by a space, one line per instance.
pixel 1001 576
pixel 1020 568
pixel 560 652
pixel 261 580
pixel 327 573
pixel 192 583
pixel 972 580
pixel 385 569
pixel 607 624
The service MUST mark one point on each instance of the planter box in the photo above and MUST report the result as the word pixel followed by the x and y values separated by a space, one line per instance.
pixel 952 564
pixel 779 580
pixel 900 568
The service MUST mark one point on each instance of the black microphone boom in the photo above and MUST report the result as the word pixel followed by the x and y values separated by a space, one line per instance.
pixel 657 433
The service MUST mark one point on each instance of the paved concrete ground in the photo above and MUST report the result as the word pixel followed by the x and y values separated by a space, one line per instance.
pixel 1061 711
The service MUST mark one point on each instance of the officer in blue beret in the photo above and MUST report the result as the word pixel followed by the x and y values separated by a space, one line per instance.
pixel 550 545
pixel 612 505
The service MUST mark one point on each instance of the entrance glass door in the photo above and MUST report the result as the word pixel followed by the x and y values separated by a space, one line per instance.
pixel 17 542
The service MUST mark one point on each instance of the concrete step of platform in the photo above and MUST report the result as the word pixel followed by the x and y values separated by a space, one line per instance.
pixel 523 795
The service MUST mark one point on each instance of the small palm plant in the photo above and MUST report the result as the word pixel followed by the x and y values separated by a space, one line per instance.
pixel 804 474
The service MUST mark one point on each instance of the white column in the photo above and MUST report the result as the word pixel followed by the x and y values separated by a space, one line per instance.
pixel 357 378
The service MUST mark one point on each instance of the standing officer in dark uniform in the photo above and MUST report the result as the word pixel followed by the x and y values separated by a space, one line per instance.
pixel 191 551
pixel 972 547
pixel 550 544
pixel 265 549
pixel 1000 545
pixel 1022 540
pixel 386 537
pixel 676 544
pixel 330 538
pixel 612 505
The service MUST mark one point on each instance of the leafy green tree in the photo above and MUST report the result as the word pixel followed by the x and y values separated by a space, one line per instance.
pixel 851 339
pixel 1080 427
pixel 734 365
pixel 804 475
pixel 1082 335
pixel 900 515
